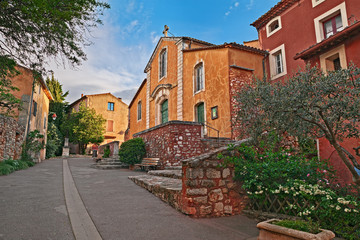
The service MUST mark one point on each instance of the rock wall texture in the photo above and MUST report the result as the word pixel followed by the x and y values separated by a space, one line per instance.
pixel 11 138
pixel 208 189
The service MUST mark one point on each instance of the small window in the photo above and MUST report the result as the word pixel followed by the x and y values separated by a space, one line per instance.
pixel 278 63
pixel 162 63
pixel 199 77
pixel 35 108
pixel 273 26
pixel 110 106
pixel 139 111
pixel 44 122
pixel 332 26
pixel 164 112
pixel 110 126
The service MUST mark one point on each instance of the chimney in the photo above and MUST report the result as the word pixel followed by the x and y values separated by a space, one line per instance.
pixel 82 95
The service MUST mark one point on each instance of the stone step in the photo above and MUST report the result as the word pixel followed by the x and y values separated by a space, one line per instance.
pixel 177 174
pixel 173 168
pixel 167 189
pixel 113 166
pixel 110 163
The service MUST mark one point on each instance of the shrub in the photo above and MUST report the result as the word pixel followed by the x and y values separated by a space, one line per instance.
pixel 304 226
pixel 6 169
pixel 132 151
pixel 106 152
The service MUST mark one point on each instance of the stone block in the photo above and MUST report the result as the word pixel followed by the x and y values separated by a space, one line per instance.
pixel 200 199
pixel 216 195
pixel 207 183
pixel 191 183
pixel 213 173
pixel 219 207
pixel 226 173
pixel 196 191
pixel 228 209
pixel 194 173
pixel 205 210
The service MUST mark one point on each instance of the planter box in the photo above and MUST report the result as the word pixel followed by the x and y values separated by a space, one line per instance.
pixel 270 231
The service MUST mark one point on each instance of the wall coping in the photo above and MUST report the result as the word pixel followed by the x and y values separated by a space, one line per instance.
pixel 194 161
pixel 110 143
pixel 174 122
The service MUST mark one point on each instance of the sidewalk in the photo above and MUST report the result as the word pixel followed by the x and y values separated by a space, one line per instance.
pixel 33 207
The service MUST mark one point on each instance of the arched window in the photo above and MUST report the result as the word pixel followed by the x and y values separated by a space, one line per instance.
pixel 199 77
pixel 200 110
pixel 164 111
pixel 162 63
pixel 139 111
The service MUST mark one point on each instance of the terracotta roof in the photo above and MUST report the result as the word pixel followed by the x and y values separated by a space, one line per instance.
pixel 230 45
pixel 137 92
pixel 329 42
pixel 273 12
pixel 85 96
pixel 174 39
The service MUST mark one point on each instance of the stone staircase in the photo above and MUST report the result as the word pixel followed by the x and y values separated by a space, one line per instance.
pixel 165 184
pixel 211 143
pixel 109 163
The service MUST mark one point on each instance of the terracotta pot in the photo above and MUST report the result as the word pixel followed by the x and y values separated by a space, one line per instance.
pixel 270 231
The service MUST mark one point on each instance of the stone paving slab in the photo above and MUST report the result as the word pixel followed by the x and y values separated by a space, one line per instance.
pixel 167 173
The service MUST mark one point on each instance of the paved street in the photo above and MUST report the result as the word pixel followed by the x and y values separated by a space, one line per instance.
pixel 33 206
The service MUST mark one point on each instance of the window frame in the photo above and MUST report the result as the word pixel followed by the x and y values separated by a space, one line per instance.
pixel 315 3
pixel 139 111
pixel 273 62
pixel 268 31
pixel 108 125
pixel 197 112
pixel 163 62
pixel 333 26
pixel 319 21
pixel 339 51
pixel 199 65
pixel 111 106
pixel 163 111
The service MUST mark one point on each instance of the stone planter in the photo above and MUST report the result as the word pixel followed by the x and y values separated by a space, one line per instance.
pixel 270 231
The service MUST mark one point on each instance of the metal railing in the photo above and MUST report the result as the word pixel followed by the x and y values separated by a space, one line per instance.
pixel 209 127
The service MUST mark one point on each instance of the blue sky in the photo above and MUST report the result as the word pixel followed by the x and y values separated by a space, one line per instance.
pixel 123 44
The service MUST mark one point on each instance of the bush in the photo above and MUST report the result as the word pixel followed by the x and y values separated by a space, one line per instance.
pixel 106 152
pixel 304 226
pixel 6 169
pixel 132 151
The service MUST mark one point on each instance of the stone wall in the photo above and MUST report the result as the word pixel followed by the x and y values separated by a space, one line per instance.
pixel 114 148
pixel 11 138
pixel 173 141
pixel 208 190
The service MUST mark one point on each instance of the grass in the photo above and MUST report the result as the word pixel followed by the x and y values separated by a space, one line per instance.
pixel 304 226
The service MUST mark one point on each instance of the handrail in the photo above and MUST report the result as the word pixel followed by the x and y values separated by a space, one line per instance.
pixel 206 124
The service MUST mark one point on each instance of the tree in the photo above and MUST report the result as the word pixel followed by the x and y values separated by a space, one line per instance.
pixel 8 102
pixel 33 31
pixel 310 104
pixel 84 127
pixel 56 89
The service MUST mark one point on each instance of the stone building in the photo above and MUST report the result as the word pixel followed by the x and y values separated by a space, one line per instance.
pixel 325 33
pixel 35 97
pixel 189 90
pixel 113 109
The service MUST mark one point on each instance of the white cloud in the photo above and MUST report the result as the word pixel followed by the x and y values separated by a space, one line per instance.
pixel 154 38
pixel 231 8
pixel 236 4
pixel 250 5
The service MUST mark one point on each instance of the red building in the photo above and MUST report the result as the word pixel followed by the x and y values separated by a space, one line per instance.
pixel 325 33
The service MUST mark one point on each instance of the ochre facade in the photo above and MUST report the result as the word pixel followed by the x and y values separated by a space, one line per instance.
pixel 116 114
pixel 178 85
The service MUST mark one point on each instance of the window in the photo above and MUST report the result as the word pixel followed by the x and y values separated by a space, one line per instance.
pixel 335 59
pixel 199 77
pixel 277 62
pixel 44 122
pixel 200 113
pixel 110 126
pixel 317 2
pixel 139 111
pixel 330 22
pixel 162 63
pixel 110 106
pixel 332 26
pixel 273 26
pixel 164 111
pixel 35 108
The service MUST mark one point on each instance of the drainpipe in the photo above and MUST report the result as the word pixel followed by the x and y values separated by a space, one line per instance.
pixel 263 65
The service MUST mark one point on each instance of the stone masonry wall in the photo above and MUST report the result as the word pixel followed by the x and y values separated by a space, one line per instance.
pixel 11 138
pixel 208 190
pixel 114 148
pixel 173 141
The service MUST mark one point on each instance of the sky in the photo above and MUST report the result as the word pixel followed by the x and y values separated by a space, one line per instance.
pixel 122 46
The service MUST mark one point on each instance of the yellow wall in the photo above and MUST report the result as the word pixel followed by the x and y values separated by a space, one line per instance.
pixel 135 124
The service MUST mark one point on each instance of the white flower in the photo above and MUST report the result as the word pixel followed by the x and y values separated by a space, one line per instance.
pixel 347 210
pixel 338 208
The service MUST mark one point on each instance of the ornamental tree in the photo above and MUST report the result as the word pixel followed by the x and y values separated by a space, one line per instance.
pixel 310 104
pixel 84 127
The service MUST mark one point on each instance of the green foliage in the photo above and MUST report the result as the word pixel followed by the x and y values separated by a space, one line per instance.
pixel 309 105
pixel 54 140
pixel 305 226
pixel 8 102
pixel 6 169
pixel 106 152
pixel 132 151
pixel 8 166
pixel 32 31
pixel 32 145
pixel 84 127
pixel 56 90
